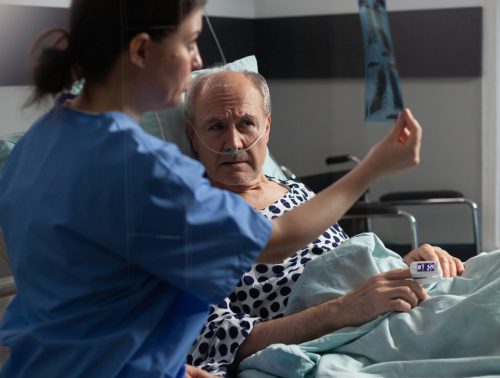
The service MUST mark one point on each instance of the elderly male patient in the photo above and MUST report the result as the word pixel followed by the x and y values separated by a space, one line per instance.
pixel 229 119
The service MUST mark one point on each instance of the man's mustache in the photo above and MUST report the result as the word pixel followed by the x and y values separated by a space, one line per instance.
pixel 240 157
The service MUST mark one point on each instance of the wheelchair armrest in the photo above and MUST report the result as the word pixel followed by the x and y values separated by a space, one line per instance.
pixel 368 210
pixel 436 197
pixel 401 197
pixel 371 209
pixel 339 159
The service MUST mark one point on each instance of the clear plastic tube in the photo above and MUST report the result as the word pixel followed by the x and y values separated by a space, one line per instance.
pixel 229 152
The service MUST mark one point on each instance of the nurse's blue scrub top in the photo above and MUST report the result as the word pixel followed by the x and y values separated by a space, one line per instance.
pixel 117 244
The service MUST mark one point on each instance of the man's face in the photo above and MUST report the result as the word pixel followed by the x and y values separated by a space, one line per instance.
pixel 229 115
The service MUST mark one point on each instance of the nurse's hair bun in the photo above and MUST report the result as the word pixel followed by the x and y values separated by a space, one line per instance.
pixel 54 64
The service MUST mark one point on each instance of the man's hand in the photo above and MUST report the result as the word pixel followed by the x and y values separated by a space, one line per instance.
pixel 385 292
pixel 451 266
pixel 192 372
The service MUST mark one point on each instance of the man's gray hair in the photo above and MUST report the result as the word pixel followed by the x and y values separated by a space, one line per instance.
pixel 199 82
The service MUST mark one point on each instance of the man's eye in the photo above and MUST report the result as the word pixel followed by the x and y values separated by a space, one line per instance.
pixel 247 127
pixel 247 123
pixel 215 127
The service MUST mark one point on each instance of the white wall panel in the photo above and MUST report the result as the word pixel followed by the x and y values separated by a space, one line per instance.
pixel 222 8
pixel 13 117
pixel 38 3
pixel 231 8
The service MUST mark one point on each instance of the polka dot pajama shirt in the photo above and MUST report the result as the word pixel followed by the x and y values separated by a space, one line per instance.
pixel 262 293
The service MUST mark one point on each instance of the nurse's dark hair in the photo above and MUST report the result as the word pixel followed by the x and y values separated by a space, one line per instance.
pixel 99 31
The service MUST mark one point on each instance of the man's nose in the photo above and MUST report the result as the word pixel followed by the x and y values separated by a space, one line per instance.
pixel 234 140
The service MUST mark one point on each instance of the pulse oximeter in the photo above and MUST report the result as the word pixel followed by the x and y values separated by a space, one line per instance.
pixel 425 272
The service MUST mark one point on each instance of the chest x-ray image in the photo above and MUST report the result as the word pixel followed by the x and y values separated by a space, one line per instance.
pixel 383 98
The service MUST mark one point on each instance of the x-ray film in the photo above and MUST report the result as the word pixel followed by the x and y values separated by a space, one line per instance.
pixel 383 99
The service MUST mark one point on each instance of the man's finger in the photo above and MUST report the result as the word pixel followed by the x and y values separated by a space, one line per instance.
pixel 397 274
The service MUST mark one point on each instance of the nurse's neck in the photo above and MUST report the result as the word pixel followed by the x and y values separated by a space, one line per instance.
pixel 110 96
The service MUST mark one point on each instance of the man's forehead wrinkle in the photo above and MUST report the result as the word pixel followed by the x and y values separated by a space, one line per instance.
pixel 228 97
pixel 226 113
pixel 226 103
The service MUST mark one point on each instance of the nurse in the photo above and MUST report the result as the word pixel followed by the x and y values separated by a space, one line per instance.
pixel 117 242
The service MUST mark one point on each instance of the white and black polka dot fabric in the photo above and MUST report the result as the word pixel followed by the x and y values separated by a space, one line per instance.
pixel 262 293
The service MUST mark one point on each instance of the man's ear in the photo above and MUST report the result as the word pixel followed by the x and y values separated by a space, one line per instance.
pixel 139 49
pixel 268 127
pixel 192 135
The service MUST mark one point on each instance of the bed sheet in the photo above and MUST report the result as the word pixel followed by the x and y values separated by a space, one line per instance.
pixel 454 333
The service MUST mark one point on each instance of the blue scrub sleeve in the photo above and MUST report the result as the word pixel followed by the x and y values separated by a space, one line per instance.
pixel 182 229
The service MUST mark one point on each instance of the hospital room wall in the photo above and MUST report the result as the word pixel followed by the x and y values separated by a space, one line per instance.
pixel 459 116
pixel 13 116
pixel 319 118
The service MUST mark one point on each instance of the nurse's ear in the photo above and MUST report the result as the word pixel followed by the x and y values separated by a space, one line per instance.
pixel 138 49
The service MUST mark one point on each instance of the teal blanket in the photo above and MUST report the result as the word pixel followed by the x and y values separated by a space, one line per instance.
pixel 454 333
